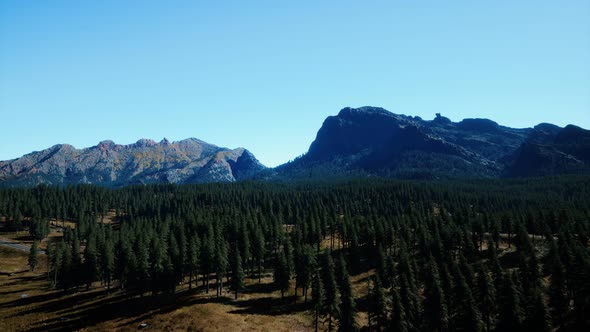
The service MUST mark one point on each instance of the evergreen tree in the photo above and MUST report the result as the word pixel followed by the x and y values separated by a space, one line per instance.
pixel 108 262
pixel 435 309
pixel 378 304
pixel 558 297
pixel 221 259
pixel 510 311
pixel 319 297
pixel 538 317
pixel 237 280
pixel 259 251
pixel 330 288
pixel 410 303
pixel 33 256
pixel 486 295
pixel 193 255
pixel 90 265
pixel 398 316
pixel 305 268
pixel 281 273
pixel 347 304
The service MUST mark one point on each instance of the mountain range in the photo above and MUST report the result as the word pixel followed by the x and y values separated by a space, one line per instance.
pixel 365 141
pixel 187 161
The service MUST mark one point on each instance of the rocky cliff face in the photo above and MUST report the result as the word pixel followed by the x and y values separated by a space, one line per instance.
pixel 371 140
pixel 146 161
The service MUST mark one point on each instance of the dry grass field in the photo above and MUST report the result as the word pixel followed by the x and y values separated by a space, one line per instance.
pixel 27 304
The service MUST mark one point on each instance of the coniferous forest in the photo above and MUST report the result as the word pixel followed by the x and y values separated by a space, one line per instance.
pixel 462 255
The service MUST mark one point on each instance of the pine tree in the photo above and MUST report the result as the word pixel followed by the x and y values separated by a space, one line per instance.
pixel 221 259
pixel 75 267
pixel 193 255
pixel 378 304
pixel 305 268
pixel 410 303
pixel 237 280
pixel 510 311
pixel 49 255
pixel 33 256
pixel 319 297
pixel 108 262
pixel 486 295
pixel 398 316
pixel 90 265
pixel 347 303
pixel 330 287
pixel 435 309
pixel 244 244
pixel 468 316
pixel 558 297
pixel 281 273
pixel 259 251
pixel 538 317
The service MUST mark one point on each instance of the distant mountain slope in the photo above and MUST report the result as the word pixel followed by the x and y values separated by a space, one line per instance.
pixel 186 161
pixel 374 141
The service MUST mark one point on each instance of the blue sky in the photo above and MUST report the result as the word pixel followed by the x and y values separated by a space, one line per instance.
pixel 265 74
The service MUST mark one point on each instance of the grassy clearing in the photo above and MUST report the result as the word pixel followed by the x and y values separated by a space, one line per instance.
pixel 259 308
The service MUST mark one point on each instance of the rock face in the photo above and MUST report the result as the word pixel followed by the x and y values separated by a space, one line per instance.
pixel 186 161
pixel 374 141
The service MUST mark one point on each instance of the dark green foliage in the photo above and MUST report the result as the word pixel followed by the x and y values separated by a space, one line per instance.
pixel 398 317
pixel 511 315
pixel 282 274
pixel 237 278
pixel 39 229
pixel 319 297
pixel 378 304
pixel 305 267
pixel 167 235
pixel 538 317
pixel 33 256
pixel 435 308
pixel 330 287
pixel 486 296
pixel 347 304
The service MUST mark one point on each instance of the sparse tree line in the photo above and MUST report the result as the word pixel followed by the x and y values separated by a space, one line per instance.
pixel 457 256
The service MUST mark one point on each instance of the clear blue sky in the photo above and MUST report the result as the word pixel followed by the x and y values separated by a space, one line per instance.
pixel 265 74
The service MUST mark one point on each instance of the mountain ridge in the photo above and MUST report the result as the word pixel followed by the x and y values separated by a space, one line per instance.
pixel 364 141
pixel 373 141
pixel 145 161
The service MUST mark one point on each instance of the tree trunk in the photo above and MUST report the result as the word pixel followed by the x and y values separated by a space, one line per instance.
pixel 190 281
pixel 316 319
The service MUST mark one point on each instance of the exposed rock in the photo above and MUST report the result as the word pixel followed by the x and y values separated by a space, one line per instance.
pixel 146 161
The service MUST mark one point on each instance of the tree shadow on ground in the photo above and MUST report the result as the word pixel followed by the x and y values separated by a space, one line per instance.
pixel 270 306
pixel 76 313
pixel 260 288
